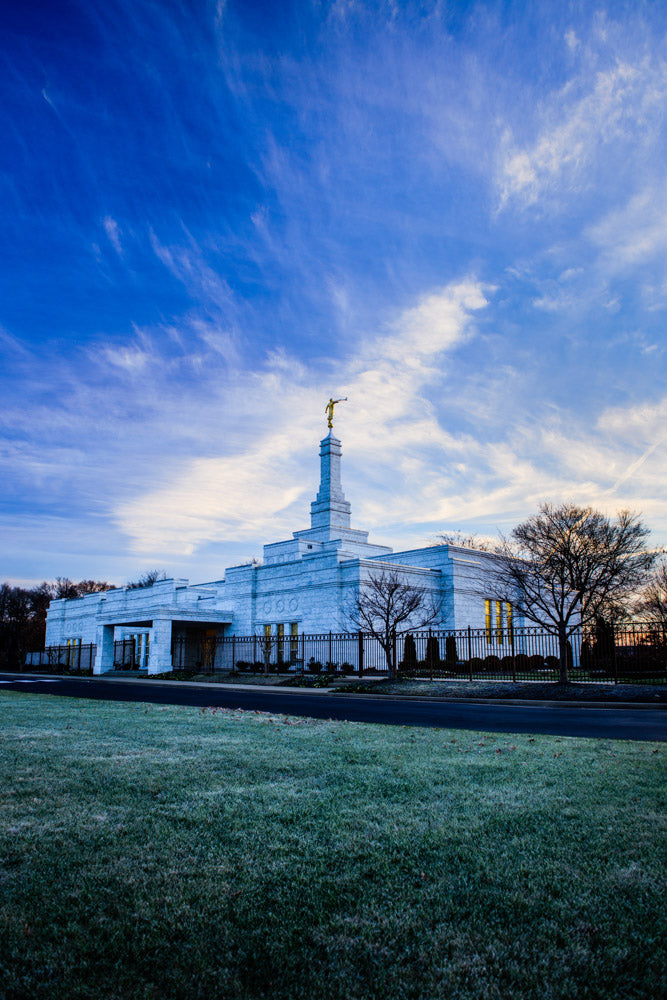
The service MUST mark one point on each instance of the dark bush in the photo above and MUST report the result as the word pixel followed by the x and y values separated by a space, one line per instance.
pixel 522 661
pixel 492 663
pixel 507 664
pixel 603 647
pixel 409 662
pixel 432 653
pixel 586 657
pixel 536 662
pixel 451 654
pixel 476 665
pixel 314 666
pixel 346 668
pixel 552 662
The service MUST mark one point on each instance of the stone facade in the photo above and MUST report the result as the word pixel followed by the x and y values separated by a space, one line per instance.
pixel 305 584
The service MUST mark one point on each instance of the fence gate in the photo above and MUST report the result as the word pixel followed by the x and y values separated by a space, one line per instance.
pixel 124 654
pixel 194 652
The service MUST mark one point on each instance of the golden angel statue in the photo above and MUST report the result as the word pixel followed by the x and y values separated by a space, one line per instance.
pixel 329 409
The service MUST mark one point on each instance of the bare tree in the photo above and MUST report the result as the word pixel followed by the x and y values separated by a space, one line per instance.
pixel 567 565
pixel 470 541
pixel 147 579
pixel 387 605
pixel 652 605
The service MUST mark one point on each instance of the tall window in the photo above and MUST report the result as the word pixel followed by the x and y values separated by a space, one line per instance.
pixel 294 642
pixel 499 622
pixel 488 625
pixel 74 651
pixel 280 631
pixel 509 620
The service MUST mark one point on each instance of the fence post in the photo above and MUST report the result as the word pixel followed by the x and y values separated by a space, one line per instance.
pixel 361 653
pixel 470 651
pixel 330 654
pixel 429 649
pixel 393 651
pixel 233 654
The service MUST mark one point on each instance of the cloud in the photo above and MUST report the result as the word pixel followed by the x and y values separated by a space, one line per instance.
pixel 253 492
pixel 634 233
pixel 406 472
pixel 113 233
pixel 616 111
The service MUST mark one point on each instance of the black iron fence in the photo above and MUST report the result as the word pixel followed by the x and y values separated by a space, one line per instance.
pixel 70 658
pixel 635 653
pixel 631 653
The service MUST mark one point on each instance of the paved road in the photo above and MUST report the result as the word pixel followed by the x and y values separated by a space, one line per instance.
pixel 607 723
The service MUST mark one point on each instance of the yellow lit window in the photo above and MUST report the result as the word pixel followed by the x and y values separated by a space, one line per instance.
pixel 499 622
pixel 509 620
pixel 487 621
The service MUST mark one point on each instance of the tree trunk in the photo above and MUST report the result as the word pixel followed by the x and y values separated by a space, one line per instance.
pixel 387 645
pixel 562 653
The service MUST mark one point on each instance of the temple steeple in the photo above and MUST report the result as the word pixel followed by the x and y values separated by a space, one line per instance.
pixel 330 509
pixel 330 512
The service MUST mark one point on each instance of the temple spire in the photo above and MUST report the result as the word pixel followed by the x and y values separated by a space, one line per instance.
pixel 330 509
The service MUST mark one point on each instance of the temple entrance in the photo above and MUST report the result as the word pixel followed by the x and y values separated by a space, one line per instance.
pixel 194 649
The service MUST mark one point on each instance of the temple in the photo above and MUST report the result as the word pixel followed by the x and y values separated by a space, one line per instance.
pixel 305 584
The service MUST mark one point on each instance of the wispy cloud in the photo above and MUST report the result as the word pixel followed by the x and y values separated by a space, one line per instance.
pixel 237 495
pixel 635 233
pixel 615 112
pixel 113 233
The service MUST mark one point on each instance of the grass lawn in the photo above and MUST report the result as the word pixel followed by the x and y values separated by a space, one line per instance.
pixel 162 852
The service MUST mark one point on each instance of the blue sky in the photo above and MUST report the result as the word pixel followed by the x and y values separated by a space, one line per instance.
pixel 217 215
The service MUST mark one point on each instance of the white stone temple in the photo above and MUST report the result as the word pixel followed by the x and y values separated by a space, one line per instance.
pixel 305 584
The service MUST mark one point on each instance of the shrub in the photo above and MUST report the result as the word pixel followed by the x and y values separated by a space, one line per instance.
pixel 603 647
pixel 536 662
pixel 347 668
pixel 432 653
pixel 586 657
pixel 314 666
pixel 551 662
pixel 451 654
pixel 409 662
pixel 476 664
pixel 492 663
pixel 507 664
pixel 522 661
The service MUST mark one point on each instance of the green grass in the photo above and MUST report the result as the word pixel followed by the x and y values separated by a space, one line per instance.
pixel 159 852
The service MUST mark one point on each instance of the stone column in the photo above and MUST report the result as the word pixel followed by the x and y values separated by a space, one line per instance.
pixel 159 658
pixel 104 652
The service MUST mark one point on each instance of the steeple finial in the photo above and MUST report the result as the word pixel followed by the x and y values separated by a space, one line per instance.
pixel 329 410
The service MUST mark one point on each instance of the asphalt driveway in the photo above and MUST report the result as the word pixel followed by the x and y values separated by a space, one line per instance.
pixel 628 723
